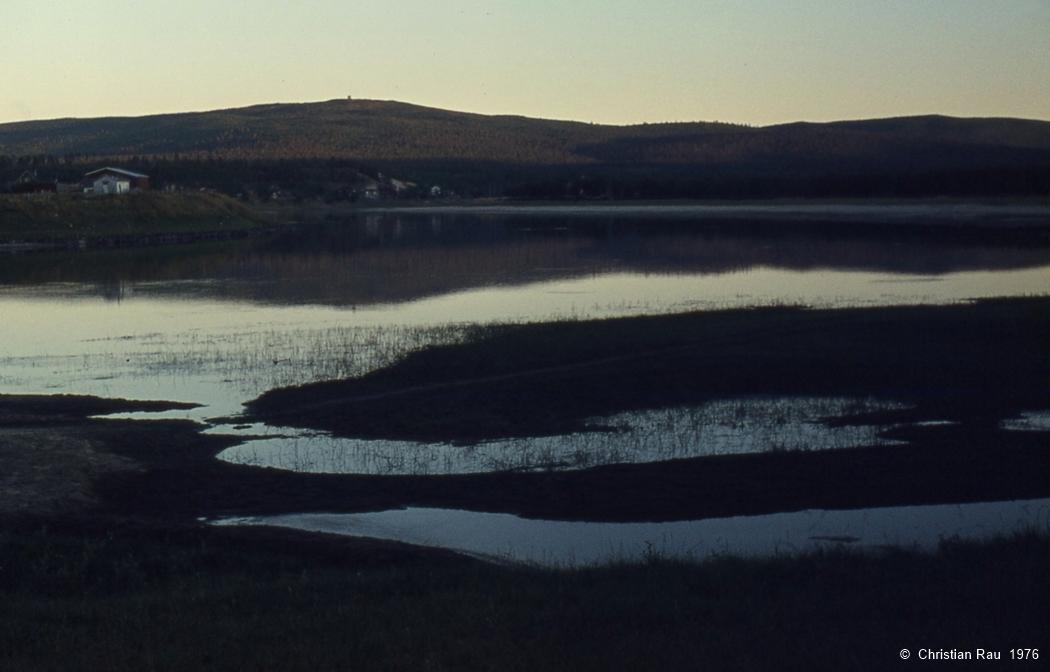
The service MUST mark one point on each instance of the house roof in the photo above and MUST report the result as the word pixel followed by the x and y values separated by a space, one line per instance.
pixel 118 171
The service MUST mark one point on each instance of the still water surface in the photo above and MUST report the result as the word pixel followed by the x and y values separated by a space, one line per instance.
pixel 506 537
pixel 218 325
pixel 721 427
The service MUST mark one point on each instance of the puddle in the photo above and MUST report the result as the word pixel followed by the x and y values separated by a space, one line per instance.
pixel 1031 421
pixel 720 427
pixel 553 543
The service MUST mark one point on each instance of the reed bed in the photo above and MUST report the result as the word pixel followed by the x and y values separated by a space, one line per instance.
pixel 721 427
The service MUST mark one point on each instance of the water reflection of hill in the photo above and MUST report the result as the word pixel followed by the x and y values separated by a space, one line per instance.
pixel 387 258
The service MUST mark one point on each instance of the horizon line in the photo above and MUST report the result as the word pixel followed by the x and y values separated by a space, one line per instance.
pixel 350 99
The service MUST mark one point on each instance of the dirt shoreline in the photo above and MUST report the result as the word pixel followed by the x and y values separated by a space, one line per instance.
pixel 132 240
pixel 949 214
pixel 987 217
pixel 54 458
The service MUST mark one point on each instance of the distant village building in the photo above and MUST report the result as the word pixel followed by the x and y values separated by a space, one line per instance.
pixel 26 178
pixel 115 181
pixel 29 183
pixel 386 188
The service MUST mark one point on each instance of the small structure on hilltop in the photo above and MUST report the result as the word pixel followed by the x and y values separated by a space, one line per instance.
pixel 115 181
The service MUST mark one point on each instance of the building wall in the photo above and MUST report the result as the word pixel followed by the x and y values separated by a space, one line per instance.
pixel 141 183
pixel 108 184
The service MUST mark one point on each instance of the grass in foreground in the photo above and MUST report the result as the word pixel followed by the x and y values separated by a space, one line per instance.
pixel 227 600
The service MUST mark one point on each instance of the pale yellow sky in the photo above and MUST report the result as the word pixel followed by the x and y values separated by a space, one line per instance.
pixel 615 61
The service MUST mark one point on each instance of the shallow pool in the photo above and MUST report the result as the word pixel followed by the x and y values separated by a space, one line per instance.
pixel 506 537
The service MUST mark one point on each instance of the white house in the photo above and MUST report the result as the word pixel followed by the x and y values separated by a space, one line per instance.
pixel 111 185
pixel 116 181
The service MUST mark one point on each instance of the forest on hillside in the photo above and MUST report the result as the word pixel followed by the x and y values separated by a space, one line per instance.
pixel 331 151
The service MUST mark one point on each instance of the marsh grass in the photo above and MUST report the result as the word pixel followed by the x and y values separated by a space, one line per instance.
pixel 242 363
pixel 722 427
pixel 259 360
pixel 976 363
pixel 222 600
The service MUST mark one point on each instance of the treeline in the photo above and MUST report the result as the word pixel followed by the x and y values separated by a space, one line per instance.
pixel 329 179
pixel 343 180
pixel 332 151
pixel 1007 181
pixel 355 130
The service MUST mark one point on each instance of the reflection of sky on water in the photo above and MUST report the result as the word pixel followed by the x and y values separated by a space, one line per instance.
pixel 721 427
pixel 616 294
pixel 220 328
pixel 1033 421
pixel 504 536
pixel 150 345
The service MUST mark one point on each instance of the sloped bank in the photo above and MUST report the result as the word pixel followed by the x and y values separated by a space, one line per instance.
pixel 146 218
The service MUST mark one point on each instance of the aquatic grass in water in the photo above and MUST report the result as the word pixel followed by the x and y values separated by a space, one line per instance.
pixel 1033 421
pixel 261 360
pixel 223 368
pixel 722 427
pixel 175 340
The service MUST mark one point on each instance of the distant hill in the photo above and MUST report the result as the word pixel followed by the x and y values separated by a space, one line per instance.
pixel 288 146
pixel 345 129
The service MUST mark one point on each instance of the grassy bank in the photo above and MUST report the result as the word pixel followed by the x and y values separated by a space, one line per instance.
pixel 975 364
pixel 131 215
pixel 141 599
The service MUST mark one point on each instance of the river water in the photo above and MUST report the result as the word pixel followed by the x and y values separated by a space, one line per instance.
pixel 218 324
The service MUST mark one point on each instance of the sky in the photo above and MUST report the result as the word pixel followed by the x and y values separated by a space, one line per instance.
pixel 755 62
